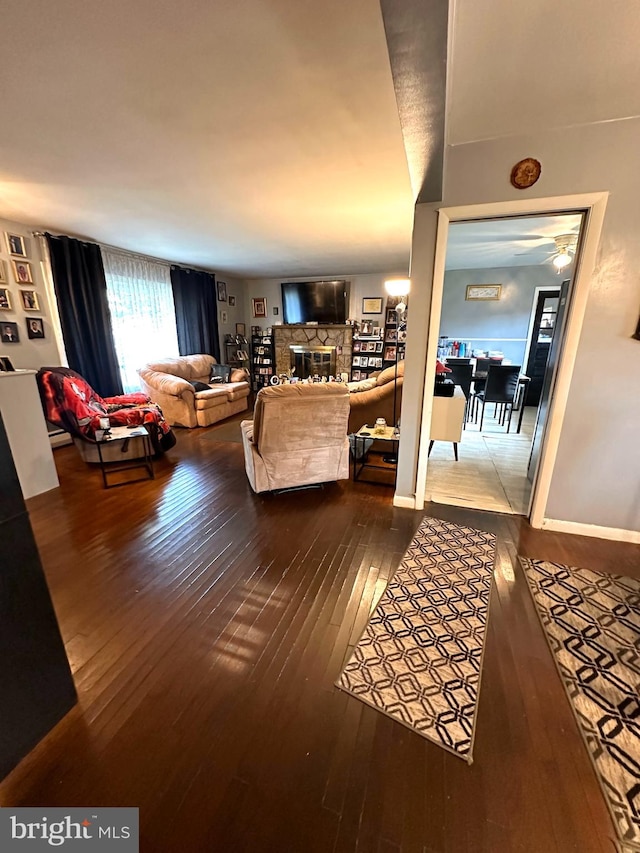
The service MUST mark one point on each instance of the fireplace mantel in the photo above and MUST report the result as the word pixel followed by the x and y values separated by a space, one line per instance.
pixel 312 336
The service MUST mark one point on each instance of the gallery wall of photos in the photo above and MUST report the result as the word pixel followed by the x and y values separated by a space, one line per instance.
pixel 25 331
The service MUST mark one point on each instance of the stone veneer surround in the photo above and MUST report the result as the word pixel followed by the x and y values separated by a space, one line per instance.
pixel 313 336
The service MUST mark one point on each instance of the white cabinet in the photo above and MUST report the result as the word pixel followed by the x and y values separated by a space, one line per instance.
pixel 27 432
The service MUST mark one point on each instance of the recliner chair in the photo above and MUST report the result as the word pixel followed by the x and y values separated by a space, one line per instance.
pixel 71 404
pixel 298 436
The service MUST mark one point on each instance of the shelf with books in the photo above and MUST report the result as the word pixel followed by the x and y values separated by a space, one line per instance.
pixel 395 333
pixel 367 352
pixel 262 357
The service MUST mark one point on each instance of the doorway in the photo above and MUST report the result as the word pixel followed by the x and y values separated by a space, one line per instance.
pixel 510 258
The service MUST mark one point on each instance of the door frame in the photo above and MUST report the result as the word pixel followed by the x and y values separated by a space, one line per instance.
pixel 594 206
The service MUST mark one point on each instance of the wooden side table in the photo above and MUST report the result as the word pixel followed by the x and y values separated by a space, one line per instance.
pixel 361 454
pixel 125 434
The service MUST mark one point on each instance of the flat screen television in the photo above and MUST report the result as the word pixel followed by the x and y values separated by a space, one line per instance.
pixel 323 302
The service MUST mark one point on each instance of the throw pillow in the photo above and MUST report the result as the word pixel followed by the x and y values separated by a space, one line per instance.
pixel 200 386
pixel 239 374
pixel 220 373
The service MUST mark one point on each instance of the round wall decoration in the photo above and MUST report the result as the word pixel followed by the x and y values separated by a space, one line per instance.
pixel 525 173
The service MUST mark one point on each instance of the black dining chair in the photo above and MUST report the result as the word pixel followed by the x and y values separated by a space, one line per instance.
pixel 479 380
pixel 501 387
pixel 462 375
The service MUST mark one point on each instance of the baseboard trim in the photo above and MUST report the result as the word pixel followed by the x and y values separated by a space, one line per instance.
pixel 616 534
pixel 404 502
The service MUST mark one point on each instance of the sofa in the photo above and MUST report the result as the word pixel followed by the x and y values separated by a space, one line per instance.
pixel 373 398
pixel 170 383
pixel 298 436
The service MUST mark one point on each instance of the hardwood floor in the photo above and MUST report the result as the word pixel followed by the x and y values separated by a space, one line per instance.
pixel 206 627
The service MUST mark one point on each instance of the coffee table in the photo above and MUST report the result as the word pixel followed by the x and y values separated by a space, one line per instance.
pixel 125 434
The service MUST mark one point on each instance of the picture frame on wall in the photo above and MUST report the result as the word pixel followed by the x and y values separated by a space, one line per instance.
pixel 3 273
pixel 483 292
pixel 390 353
pixel 9 333
pixel 241 329
pixel 22 272
pixel 5 299
pixel 232 301
pixel 35 327
pixel 259 306
pixel 30 300
pixel 224 317
pixel 15 244
pixel 222 291
pixel 372 305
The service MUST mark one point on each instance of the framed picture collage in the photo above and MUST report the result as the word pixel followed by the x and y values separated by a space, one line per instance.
pixel 18 293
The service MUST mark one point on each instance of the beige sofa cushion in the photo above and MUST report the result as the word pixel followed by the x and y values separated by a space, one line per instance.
pixel 194 368
pixel 362 385
pixel 389 374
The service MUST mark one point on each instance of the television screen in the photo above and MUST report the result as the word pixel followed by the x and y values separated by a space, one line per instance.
pixel 314 301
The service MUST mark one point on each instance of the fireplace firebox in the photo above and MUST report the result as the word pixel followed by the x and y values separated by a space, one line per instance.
pixel 313 361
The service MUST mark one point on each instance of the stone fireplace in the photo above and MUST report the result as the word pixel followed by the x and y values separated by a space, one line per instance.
pixel 326 350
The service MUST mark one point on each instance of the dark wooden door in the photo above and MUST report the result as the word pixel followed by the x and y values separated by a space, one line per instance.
pixel 543 326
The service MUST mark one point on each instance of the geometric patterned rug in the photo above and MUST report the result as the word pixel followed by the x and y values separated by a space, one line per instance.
pixel 419 659
pixel 592 623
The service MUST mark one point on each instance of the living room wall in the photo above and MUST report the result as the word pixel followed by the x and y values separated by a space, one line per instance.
pixel 361 286
pixel 28 352
pixel 495 325
pixel 595 479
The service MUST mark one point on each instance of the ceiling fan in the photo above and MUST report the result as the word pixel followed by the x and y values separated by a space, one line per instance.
pixel 561 250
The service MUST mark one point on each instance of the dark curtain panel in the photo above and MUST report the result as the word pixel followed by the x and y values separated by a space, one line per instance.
pixel 81 291
pixel 194 296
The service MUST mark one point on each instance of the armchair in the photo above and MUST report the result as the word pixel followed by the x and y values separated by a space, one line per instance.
pixel 71 404
pixel 298 436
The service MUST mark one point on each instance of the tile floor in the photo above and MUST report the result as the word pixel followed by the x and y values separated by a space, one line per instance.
pixel 492 467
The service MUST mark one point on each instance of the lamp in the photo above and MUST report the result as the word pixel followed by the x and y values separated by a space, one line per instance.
pixel 398 288
pixel 565 245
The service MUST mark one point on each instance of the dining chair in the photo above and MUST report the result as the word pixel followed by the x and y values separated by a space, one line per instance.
pixel 462 375
pixel 501 387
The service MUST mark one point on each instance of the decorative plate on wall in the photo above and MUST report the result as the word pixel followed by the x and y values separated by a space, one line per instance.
pixel 525 173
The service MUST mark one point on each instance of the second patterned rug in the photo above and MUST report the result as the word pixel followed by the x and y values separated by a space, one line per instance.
pixel 420 657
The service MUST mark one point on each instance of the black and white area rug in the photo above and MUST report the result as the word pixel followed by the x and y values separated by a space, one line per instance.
pixel 420 657
pixel 592 623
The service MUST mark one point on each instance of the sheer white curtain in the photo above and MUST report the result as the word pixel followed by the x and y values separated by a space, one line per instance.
pixel 142 313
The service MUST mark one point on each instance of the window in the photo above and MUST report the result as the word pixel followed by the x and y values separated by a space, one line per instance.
pixel 142 313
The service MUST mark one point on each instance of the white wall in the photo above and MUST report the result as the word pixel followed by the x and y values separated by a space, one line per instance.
pixel 597 473
pixel 28 353
pixel 361 286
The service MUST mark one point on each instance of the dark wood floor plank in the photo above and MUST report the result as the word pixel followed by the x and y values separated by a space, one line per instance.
pixel 207 626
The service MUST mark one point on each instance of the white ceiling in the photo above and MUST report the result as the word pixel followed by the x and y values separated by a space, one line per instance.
pixel 262 138
pixel 259 137
pixel 515 242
